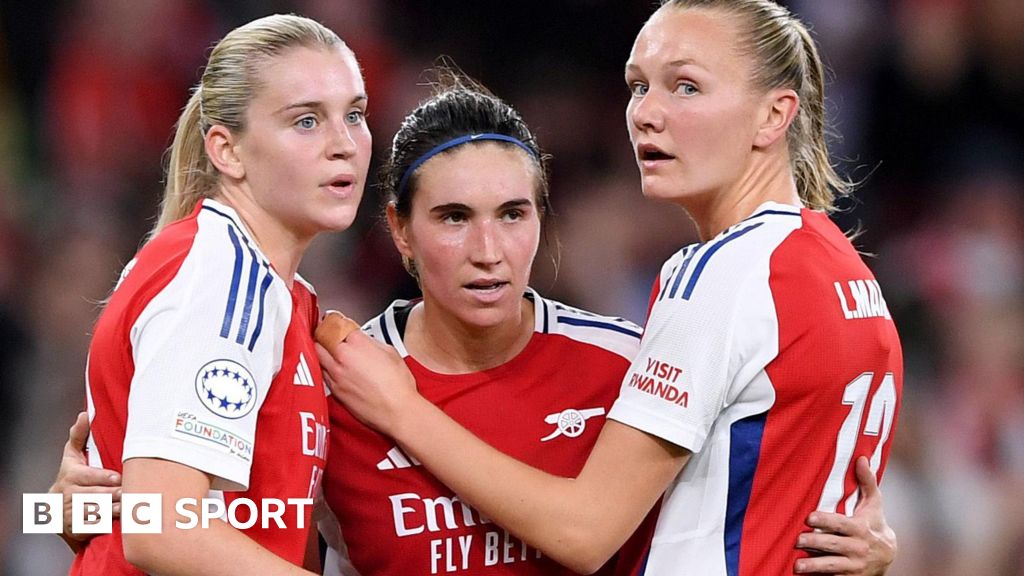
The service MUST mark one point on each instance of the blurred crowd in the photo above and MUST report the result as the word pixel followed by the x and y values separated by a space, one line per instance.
pixel 928 96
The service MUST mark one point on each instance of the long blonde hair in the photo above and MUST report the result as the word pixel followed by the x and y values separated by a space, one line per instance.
pixel 222 96
pixel 786 56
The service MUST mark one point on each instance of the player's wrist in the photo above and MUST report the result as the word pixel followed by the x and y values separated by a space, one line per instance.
pixel 406 415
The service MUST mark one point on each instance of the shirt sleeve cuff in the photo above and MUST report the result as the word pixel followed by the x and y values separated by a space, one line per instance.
pixel 230 472
pixel 657 424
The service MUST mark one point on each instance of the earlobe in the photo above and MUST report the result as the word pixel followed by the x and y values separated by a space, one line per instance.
pixel 220 149
pixel 781 108
pixel 399 232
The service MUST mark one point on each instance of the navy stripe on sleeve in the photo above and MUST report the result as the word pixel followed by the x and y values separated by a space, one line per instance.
pixel 236 276
pixel 699 268
pixel 250 297
pixel 267 280
pixel 682 270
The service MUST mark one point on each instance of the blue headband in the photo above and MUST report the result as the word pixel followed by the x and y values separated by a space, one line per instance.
pixel 456 142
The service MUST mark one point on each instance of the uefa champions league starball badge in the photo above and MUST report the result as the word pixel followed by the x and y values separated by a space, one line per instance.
pixel 226 388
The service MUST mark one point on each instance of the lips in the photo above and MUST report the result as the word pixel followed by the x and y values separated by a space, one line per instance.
pixel 651 153
pixel 487 291
pixel 341 185
pixel 485 285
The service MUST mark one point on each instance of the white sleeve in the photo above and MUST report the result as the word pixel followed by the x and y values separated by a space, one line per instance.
pixel 698 352
pixel 206 349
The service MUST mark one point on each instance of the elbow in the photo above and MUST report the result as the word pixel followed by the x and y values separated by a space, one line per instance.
pixel 584 552
pixel 584 568
pixel 588 564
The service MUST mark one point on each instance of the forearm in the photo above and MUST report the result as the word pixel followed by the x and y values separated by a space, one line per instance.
pixel 217 550
pixel 578 522
pixel 553 514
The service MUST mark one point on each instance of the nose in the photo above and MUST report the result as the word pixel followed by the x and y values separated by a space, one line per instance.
pixel 341 143
pixel 646 113
pixel 486 247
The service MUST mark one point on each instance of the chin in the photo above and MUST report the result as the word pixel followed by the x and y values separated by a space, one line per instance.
pixel 658 190
pixel 672 191
pixel 341 219
pixel 490 317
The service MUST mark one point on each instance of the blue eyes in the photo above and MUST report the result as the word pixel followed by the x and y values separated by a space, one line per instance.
pixel 311 122
pixel 686 89
pixel 638 90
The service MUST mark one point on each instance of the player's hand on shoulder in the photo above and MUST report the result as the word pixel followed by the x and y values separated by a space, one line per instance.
pixel 77 477
pixel 369 378
pixel 862 545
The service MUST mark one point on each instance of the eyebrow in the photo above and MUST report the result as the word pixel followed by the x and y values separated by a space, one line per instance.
pixel 631 67
pixel 680 62
pixel 451 206
pixel 359 99
pixel 518 202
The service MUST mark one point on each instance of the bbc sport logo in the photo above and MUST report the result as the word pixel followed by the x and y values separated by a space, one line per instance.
pixel 143 513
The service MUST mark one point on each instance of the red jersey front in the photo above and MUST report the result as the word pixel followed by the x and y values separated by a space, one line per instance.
pixel 544 407
pixel 200 341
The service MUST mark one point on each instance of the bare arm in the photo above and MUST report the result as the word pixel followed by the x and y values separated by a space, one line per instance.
pixel 76 476
pixel 863 545
pixel 217 550
pixel 578 522
pixel 626 473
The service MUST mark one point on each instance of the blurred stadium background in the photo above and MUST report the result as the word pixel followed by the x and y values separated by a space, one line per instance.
pixel 928 94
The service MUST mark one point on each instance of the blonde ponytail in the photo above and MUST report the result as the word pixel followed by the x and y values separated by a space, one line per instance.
pixel 190 175
pixel 816 179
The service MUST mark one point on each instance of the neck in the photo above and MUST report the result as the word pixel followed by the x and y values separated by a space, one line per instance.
pixel 281 245
pixel 767 179
pixel 444 344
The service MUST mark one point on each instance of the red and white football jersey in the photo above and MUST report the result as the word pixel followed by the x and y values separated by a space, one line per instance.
pixel 770 354
pixel 545 407
pixel 200 341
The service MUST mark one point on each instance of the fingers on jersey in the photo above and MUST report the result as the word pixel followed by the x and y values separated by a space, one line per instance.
pixel 334 328
pixel 863 544
pixel 829 565
pixel 866 481
pixel 78 433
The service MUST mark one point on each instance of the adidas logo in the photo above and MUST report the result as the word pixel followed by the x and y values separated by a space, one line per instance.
pixel 397 459
pixel 303 377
